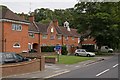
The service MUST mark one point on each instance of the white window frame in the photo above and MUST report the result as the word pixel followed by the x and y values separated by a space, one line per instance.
pixel 52 37
pixel 16 46
pixel 59 37
pixel 73 38
pixel 66 37
pixel 44 36
pixel 17 27
pixel 32 35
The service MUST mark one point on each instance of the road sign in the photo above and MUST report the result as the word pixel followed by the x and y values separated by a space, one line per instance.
pixel 58 47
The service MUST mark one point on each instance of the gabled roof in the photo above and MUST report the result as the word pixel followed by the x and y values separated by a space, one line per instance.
pixel 65 32
pixel 6 13
pixel 32 27
pixel 42 28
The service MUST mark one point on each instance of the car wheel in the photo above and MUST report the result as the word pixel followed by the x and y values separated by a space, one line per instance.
pixel 76 54
pixel 110 51
pixel 88 55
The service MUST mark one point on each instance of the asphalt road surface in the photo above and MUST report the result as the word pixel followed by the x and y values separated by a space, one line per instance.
pixel 105 69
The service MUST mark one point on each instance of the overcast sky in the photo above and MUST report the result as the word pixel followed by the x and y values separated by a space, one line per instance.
pixel 25 6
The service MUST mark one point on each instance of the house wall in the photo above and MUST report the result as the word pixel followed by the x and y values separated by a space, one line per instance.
pixel 48 41
pixel 33 40
pixel 12 36
pixel 70 41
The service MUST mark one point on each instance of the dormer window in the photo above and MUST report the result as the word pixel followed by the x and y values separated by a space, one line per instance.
pixel 16 45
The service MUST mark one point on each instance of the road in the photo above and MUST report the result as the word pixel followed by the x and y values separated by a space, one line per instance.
pixel 105 69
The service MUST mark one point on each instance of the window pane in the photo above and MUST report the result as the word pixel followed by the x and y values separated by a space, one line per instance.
pixel 31 35
pixel 52 37
pixel 44 36
pixel 59 37
pixel 16 45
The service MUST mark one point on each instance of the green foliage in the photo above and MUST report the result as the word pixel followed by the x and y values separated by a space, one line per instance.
pixel 64 50
pixel 51 49
pixel 72 59
pixel 102 19
pixel 47 48
pixel 46 21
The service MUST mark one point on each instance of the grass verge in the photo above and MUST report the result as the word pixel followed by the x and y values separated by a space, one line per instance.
pixel 63 59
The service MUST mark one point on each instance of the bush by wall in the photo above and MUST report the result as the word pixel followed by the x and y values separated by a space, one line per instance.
pixel 47 49
pixel 64 50
pixel 51 49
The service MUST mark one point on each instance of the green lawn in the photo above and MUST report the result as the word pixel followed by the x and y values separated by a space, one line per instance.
pixel 71 59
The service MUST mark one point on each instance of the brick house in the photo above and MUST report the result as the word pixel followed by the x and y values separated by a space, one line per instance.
pixel 89 44
pixel 13 31
pixel 18 35
pixel 51 34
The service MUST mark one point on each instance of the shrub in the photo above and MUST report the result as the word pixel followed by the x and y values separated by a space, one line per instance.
pixel 51 49
pixel 64 50
pixel 47 48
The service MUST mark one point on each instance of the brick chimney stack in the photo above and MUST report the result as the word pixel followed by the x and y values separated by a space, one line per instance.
pixel 31 18
pixel 55 22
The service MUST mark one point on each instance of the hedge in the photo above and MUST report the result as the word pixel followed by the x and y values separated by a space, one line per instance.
pixel 51 49
pixel 47 49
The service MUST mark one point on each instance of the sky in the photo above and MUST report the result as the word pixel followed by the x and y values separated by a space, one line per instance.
pixel 19 6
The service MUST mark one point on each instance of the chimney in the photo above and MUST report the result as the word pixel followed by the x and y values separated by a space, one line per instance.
pixel 55 23
pixel 31 18
pixel 22 16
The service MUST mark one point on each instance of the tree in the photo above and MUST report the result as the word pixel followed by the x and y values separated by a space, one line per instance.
pixel 102 19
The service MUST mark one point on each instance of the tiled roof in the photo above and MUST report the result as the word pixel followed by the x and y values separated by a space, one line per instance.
pixel 63 31
pixel 89 41
pixel 32 27
pixel 42 28
pixel 6 13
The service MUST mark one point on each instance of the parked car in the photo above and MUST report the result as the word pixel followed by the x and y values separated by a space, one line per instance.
pixel 83 52
pixel 106 49
pixel 11 57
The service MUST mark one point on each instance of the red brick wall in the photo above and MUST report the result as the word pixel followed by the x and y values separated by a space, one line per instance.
pixel 70 41
pixel 33 40
pixel 13 36
pixel 48 41
pixel 20 68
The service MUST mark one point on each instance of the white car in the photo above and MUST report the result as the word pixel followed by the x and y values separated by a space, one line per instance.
pixel 106 49
pixel 83 52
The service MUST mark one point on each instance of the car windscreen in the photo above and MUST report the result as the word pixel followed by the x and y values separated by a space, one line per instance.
pixel 19 56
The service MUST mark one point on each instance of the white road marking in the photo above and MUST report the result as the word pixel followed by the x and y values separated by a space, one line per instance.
pixel 103 72
pixel 60 70
pixel 66 65
pixel 77 66
pixel 58 74
pixel 115 65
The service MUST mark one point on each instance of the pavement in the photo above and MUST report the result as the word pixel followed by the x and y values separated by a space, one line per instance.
pixel 52 70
